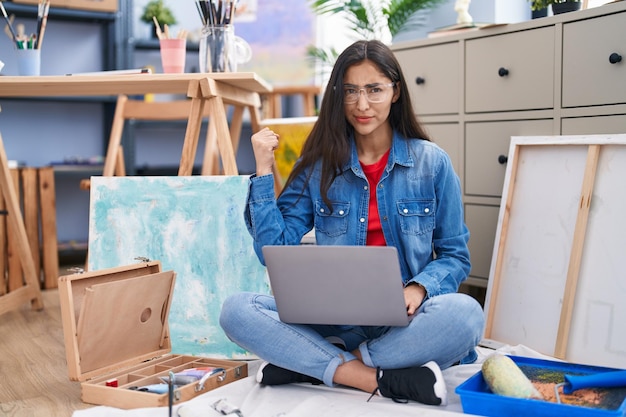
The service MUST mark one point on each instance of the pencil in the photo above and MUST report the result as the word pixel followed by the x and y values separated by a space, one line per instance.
pixel 158 28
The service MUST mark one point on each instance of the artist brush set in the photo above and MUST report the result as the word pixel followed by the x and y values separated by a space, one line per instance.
pixel 19 37
pixel 216 12
pixel 165 32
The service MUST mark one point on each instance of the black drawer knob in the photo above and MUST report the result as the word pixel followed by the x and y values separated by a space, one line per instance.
pixel 503 159
pixel 614 58
pixel 420 81
pixel 503 72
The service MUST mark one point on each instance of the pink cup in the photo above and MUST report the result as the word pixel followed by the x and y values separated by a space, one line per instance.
pixel 173 53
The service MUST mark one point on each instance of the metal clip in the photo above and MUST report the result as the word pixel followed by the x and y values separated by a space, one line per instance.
pixel 206 376
pixel 77 270
pixel 142 259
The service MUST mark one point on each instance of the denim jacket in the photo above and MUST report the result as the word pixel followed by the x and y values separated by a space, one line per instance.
pixel 419 202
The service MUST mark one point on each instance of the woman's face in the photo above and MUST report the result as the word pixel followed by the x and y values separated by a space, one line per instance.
pixel 368 117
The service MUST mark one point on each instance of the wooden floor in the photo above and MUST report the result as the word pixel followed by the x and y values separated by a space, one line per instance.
pixel 33 373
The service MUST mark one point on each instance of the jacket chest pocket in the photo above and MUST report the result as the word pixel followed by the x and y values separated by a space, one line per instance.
pixel 331 224
pixel 416 216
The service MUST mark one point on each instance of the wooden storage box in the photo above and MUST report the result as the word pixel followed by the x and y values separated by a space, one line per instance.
pixel 94 5
pixel 116 333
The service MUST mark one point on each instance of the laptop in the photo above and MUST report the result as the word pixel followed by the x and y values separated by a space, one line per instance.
pixel 342 285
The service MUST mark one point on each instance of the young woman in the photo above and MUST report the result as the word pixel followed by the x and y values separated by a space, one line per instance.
pixel 367 175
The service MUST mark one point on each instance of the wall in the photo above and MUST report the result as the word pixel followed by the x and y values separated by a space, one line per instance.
pixel 76 128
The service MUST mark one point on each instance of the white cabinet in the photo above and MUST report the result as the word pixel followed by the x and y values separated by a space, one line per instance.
pixel 486 150
pixel 447 135
pixel 563 74
pixel 432 75
pixel 594 61
pixel 593 125
pixel 501 71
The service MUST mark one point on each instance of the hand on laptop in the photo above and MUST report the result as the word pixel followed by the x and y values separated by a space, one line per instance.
pixel 414 295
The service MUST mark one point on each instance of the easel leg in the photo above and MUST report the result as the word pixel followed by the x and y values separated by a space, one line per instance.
pixel 30 291
pixel 3 248
pixel 194 123
pixel 224 142
pixel 211 163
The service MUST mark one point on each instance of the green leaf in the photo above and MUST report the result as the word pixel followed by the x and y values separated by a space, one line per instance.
pixel 399 12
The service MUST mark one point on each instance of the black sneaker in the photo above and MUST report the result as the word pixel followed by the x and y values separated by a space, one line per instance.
pixel 423 384
pixel 269 374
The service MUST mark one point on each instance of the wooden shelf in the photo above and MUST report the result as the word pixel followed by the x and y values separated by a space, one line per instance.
pixel 25 10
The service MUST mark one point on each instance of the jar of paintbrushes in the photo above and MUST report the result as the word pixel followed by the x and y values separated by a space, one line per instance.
pixel 28 47
pixel 220 50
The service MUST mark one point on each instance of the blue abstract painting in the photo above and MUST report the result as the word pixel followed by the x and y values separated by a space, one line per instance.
pixel 194 226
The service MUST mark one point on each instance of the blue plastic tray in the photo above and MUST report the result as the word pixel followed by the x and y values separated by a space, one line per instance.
pixel 477 398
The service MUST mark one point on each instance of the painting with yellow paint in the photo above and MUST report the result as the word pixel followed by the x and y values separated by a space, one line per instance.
pixel 293 132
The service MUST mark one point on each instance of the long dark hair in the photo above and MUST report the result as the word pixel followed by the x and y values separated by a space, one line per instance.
pixel 329 140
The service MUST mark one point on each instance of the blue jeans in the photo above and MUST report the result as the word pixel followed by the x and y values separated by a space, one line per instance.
pixel 446 330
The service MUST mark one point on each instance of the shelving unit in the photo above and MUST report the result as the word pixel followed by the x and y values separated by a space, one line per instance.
pixel 83 121
pixel 107 21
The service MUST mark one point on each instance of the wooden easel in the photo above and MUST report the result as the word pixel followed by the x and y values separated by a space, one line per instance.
pixel 30 291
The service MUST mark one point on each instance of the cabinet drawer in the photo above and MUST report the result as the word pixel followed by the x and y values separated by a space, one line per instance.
pixel 446 135
pixel 513 71
pixel 596 125
pixel 589 77
pixel 487 147
pixel 432 74
pixel 482 221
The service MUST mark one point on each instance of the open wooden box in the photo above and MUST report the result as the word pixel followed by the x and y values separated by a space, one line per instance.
pixel 116 333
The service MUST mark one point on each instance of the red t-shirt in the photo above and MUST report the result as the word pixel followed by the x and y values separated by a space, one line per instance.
pixel 373 172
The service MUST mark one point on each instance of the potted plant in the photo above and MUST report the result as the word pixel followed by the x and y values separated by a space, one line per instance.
pixel 158 9
pixel 370 19
pixel 558 6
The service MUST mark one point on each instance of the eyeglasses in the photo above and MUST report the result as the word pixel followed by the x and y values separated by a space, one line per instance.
pixel 374 93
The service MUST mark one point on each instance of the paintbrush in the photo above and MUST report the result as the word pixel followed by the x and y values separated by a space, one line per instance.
pixel 6 18
pixel 6 27
pixel 201 13
pixel 44 20
pixel 40 10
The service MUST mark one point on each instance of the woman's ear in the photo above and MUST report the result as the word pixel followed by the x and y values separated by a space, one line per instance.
pixel 396 92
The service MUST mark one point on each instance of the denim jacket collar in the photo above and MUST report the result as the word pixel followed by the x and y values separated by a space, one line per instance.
pixel 399 155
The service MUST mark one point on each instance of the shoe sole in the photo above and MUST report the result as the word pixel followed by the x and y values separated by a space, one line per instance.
pixel 440 384
pixel 259 373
